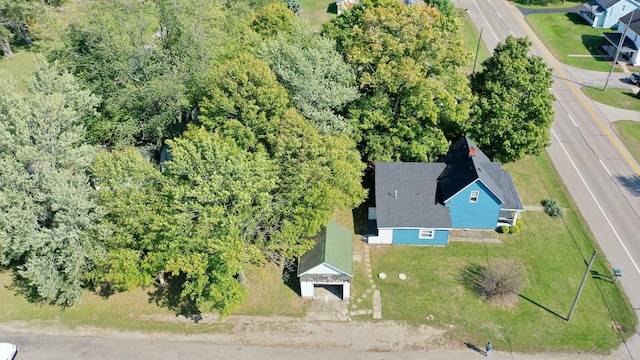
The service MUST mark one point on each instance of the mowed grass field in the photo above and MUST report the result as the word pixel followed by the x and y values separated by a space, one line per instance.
pixel 622 98
pixel 570 39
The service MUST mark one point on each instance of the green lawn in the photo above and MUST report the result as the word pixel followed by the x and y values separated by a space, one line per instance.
pixel 629 133
pixel 622 98
pixel 567 35
pixel 553 253
pixel 19 66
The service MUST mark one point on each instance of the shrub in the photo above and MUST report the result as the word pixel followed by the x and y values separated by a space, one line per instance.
pixel 503 229
pixel 552 208
pixel 519 223
pixel 514 229
pixel 500 279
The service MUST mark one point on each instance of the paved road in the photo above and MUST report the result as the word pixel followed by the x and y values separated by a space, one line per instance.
pixel 602 177
pixel 49 347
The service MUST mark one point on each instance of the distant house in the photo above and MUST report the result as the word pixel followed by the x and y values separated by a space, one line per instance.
pixel 629 27
pixel 606 13
pixel 420 203
pixel 329 262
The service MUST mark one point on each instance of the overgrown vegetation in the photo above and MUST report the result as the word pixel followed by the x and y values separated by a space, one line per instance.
pixel 500 281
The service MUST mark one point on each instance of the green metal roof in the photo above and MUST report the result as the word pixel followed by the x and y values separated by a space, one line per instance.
pixel 334 247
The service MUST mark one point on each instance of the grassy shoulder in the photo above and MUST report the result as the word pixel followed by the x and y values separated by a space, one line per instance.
pixel 622 98
pixel 629 132
pixel 470 37
pixel 570 39
pixel 552 252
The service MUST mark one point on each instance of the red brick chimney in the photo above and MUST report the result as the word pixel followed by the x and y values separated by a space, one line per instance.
pixel 472 151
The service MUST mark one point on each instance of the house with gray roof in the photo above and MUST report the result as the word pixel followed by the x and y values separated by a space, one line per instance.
pixel 606 13
pixel 329 262
pixel 420 203
pixel 626 38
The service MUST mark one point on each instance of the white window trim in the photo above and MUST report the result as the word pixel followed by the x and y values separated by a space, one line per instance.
pixel 473 198
pixel 427 234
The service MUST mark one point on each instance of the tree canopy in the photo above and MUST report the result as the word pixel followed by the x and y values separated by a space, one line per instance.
pixel 407 62
pixel 48 212
pixel 513 111
pixel 318 80
pixel 146 60
pixel 316 173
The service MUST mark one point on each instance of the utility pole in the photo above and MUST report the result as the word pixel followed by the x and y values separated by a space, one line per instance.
pixel 477 51
pixel 584 279
pixel 620 43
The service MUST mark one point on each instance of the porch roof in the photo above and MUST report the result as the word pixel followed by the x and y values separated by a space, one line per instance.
pixel 614 39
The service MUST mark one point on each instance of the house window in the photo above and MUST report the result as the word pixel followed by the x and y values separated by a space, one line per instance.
pixel 426 234
pixel 474 196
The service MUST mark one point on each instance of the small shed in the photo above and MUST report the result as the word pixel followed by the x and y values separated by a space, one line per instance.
pixel 330 262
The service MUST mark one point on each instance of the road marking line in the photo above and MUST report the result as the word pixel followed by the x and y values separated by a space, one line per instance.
pixel 570 118
pixel 605 168
pixel 486 21
pixel 596 201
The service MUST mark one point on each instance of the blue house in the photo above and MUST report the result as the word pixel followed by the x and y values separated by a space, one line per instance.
pixel 606 13
pixel 420 203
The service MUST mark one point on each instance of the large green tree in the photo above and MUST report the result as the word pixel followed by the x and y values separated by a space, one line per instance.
pixel 513 111
pixel 48 212
pixel 316 173
pixel 147 61
pixel 407 61
pixel 188 228
pixel 318 80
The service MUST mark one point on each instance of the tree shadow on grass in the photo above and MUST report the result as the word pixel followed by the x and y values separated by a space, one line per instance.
pixel 290 276
pixel 631 183
pixel 170 296
pixel 361 223
pixel 470 278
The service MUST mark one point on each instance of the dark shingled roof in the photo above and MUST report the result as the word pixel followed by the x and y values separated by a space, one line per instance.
pixel 466 164
pixel 635 21
pixel 334 247
pixel 594 6
pixel 406 196
pixel 608 3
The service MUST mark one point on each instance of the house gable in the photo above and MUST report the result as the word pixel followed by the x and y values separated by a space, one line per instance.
pixel 474 207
